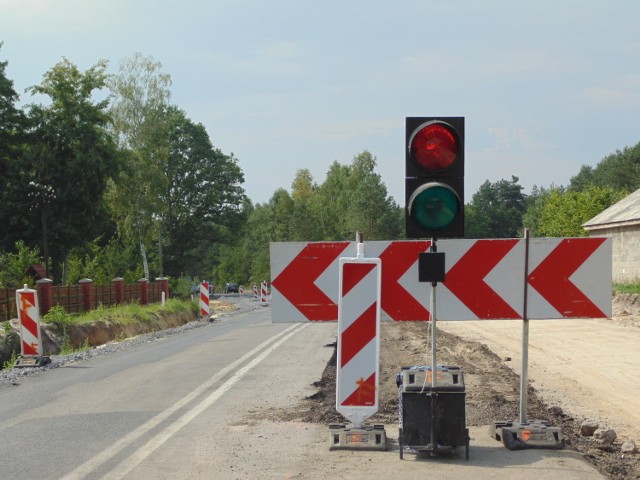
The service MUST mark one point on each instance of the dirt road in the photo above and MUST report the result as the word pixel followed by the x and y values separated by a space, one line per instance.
pixel 589 368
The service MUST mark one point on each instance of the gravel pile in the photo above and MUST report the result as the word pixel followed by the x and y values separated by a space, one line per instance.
pixel 13 376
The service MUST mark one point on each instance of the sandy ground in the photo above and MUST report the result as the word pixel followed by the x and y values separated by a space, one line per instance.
pixel 590 368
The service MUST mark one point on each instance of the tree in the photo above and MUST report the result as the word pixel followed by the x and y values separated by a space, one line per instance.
pixel 69 158
pixel 140 98
pixel 12 121
pixel 267 223
pixel 202 198
pixel 354 198
pixel 619 171
pixel 535 201
pixel 14 265
pixel 332 203
pixel 303 220
pixel 371 210
pixel 565 212
pixel 496 210
pixel 12 137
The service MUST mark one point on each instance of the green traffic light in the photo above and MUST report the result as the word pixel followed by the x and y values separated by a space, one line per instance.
pixel 434 206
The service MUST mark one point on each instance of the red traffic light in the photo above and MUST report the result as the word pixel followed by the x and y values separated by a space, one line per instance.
pixel 433 146
pixel 434 177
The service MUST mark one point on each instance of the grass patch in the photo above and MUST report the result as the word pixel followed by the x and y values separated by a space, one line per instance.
pixel 67 349
pixel 626 288
pixel 9 364
pixel 126 314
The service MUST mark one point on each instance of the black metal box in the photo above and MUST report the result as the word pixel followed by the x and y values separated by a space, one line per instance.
pixel 427 411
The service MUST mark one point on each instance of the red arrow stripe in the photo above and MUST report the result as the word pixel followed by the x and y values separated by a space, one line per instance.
pixel 358 335
pixel 397 258
pixel 551 278
pixel 466 279
pixel 30 325
pixel 27 301
pixel 296 281
pixel 365 393
pixel 30 349
pixel 353 273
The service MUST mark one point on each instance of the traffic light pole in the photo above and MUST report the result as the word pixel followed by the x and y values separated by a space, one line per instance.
pixel 433 249
pixel 524 372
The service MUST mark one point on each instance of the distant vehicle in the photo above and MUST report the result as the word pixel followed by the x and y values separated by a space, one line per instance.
pixel 195 289
pixel 231 288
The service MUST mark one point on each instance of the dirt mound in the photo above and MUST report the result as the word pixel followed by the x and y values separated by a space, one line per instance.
pixel 99 332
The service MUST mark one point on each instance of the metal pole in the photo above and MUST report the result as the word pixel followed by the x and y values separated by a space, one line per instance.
pixel 433 439
pixel 525 336
pixel 433 334
pixel 359 245
pixel 433 248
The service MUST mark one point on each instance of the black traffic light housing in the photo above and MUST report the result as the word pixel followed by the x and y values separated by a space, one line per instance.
pixel 434 177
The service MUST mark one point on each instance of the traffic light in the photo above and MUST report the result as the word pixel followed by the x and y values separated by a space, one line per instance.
pixel 434 171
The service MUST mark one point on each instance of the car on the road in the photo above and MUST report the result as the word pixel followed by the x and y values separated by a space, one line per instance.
pixel 231 288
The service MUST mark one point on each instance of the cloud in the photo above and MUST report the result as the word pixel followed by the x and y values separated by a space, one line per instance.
pixel 621 92
pixel 515 139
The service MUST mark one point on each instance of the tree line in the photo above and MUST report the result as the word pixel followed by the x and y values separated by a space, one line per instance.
pixel 105 177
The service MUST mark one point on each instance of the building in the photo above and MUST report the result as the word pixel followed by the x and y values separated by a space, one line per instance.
pixel 621 222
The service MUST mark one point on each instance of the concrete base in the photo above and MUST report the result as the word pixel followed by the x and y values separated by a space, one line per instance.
pixel 533 434
pixel 31 361
pixel 367 437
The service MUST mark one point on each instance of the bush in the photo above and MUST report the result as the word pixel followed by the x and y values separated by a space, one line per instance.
pixel 181 287
pixel 14 265
pixel 57 316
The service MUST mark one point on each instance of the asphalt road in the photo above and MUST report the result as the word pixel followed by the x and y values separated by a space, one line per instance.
pixel 86 419
pixel 189 406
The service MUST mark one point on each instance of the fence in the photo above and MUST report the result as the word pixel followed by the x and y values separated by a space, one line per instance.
pixel 86 296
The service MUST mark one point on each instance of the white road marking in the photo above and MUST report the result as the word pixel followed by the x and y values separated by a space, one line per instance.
pixel 139 455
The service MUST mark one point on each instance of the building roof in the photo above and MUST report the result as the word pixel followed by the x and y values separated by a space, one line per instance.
pixel 36 271
pixel 624 213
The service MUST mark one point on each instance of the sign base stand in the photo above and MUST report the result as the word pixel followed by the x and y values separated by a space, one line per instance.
pixel 533 434
pixel 366 437
pixel 32 361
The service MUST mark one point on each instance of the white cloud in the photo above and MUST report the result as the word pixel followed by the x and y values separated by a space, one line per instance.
pixel 621 92
pixel 516 139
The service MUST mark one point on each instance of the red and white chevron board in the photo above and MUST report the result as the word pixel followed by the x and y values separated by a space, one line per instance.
pixel 29 317
pixel 485 279
pixel 358 338
pixel 204 299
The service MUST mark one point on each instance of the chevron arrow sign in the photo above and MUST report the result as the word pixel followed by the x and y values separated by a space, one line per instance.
pixel 485 279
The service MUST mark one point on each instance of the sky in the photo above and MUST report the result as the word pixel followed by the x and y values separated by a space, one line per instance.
pixel 545 87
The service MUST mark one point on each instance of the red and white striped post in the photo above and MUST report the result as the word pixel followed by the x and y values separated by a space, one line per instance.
pixel 29 317
pixel 263 294
pixel 204 299
pixel 358 338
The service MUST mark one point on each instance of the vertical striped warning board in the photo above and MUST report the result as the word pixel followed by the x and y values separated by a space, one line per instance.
pixel 263 294
pixel 204 299
pixel 29 316
pixel 358 338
